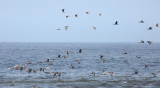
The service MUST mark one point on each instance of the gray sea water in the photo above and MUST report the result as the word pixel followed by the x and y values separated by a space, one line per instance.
pixel 123 65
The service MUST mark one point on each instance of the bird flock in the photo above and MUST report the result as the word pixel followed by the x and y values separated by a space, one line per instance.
pixel 116 23
pixel 47 69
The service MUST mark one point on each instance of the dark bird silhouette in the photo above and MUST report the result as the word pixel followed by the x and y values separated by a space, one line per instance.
pixel 154 74
pixel 67 16
pixel 80 50
pixel 141 21
pixel 76 15
pixel 72 67
pixel 58 29
pixel 93 73
pixel 157 25
pixel 135 71
pixel 146 65
pixel 100 14
pixel 150 28
pixel 116 23
pixel 87 12
pixel 63 10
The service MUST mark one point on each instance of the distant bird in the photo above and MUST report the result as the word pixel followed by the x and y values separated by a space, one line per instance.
pixel 125 53
pixel 111 73
pixel 72 67
pixel 79 61
pixel 58 29
pixel 16 66
pixel 63 10
pixel 80 50
pixel 93 73
pixel 146 65
pixel 94 28
pixel 87 12
pixel 141 21
pixel 59 56
pixel 100 14
pixel 66 27
pixel 154 74
pixel 21 68
pixel 101 56
pixel 54 73
pixel 104 60
pixel 47 60
pixel 50 63
pixel 42 69
pixel 150 28
pixel 29 70
pixel 116 23
pixel 47 68
pixel 59 74
pixel 141 41
pixel 67 16
pixel 135 71
pixel 138 56
pixel 104 73
pixel 157 25
pixel 149 42
pixel 68 52
pixel 65 57
pixel 76 15
pixel 34 71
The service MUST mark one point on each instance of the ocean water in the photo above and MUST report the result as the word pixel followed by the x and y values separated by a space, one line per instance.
pixel 122 65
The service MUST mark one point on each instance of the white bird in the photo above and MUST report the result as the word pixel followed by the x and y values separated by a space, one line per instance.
pixel 104 73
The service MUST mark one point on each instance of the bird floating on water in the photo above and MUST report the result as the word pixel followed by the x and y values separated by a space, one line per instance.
pixel 150 28
pixel 100 14
pixel 157 25
pixel 76 15
pixel 87 12
pixel 94 28
pixel 149 42
pixel 141 41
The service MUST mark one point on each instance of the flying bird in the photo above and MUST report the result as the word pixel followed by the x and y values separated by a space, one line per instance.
pixel 63 10
pixel 150 28
pixel 141 41
pixel 67 16
pixel 100 14
pixel 94 28
pixel 116 23
pixel 141 21
pixel 157 25
pixel 87 12
pixel 76 15
pixel 58 29
pixel 66 27
pixel 149 42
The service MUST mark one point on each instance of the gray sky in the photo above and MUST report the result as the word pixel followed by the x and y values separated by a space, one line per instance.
pixel 37 20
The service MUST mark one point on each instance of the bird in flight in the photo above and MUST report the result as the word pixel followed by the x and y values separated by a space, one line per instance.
pixel 116 23
pixel 157 25
pixel 66 27
pixel 94 28
pixel 149 42
pixel 150 28
pixel 141 21
pixel 100 14
pixel 58 29
pixel 141 41
pixel 67 16
pixel 87 12
pixel 63 10
pixel 76 15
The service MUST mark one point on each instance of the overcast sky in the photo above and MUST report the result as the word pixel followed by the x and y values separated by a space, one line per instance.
pixel 37 20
